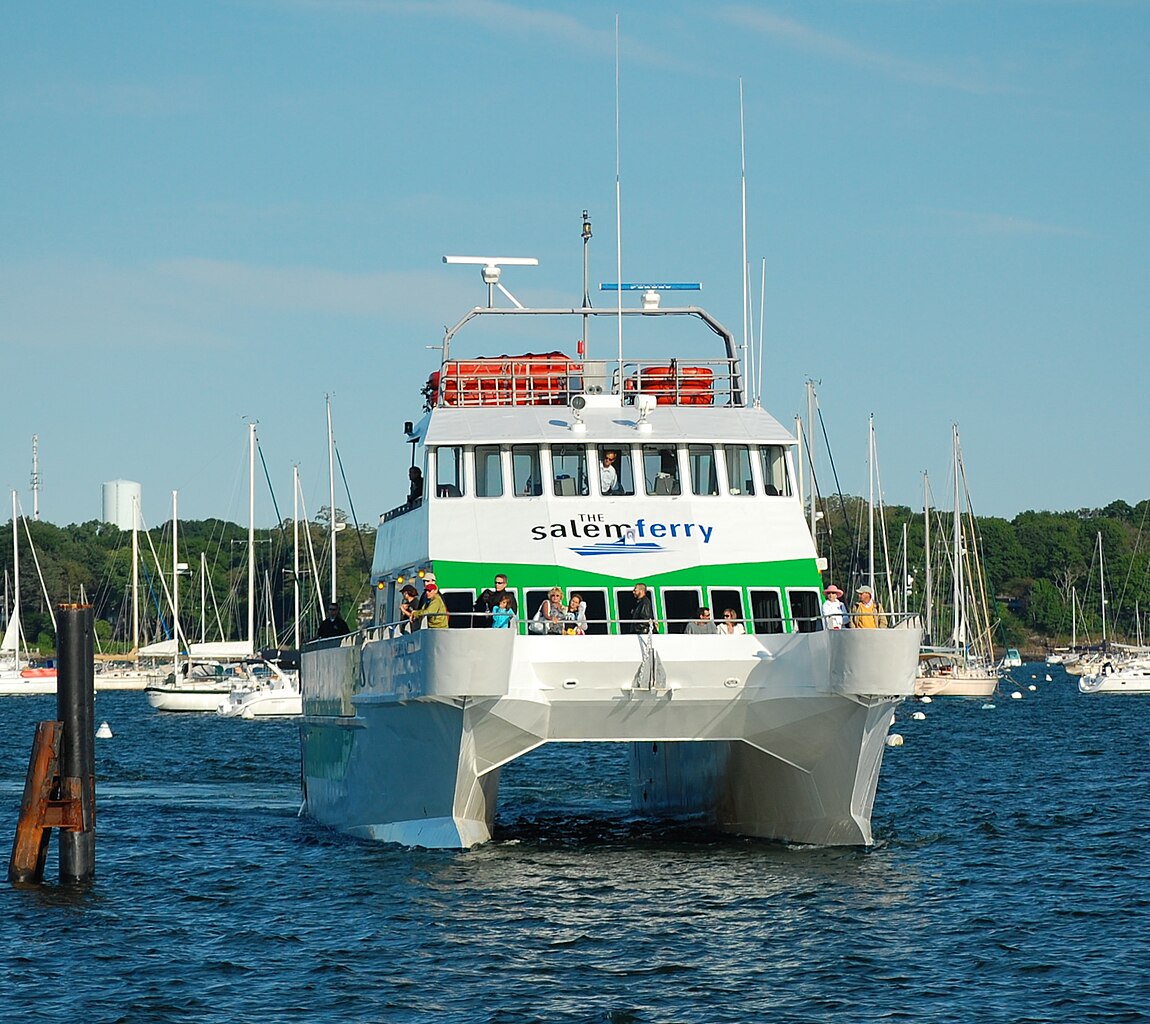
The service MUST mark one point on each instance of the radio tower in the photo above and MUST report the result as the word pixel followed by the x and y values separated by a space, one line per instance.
pixel 35 478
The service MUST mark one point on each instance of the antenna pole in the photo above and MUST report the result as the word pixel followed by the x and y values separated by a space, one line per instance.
pixel 35 478
pixel 743 263
pixel 618 213
pixel 586 286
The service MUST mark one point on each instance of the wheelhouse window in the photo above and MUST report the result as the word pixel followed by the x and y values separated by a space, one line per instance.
pixel 569 469
pixel 767 611
pixel 488 471
pixel 616 475
pixel 806 610
pixel 661 469
pixel 449 472
pixel 704 472
pixel 738 460
pixel 526 471
pixel 775 478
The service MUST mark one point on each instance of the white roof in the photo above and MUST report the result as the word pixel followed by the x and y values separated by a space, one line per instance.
pixel 232 649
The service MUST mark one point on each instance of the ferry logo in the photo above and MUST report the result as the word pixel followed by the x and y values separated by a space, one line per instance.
pixel 620 538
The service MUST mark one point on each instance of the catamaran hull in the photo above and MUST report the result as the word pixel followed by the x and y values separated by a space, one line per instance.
pixel 780 737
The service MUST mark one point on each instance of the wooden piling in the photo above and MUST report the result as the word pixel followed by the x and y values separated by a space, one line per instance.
pixel 60 788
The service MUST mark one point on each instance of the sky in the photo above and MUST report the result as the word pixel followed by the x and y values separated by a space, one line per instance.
pixel 220 211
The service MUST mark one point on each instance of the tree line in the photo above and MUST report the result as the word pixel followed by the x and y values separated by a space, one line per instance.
pixel 92 563
pixel 1042 572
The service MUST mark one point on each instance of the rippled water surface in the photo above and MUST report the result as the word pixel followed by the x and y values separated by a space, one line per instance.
pixel 1010 882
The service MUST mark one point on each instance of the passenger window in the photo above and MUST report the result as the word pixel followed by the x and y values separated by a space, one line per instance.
pixel 775 479
pixel 681 605
pixel 449 472
pixel 569 469
pixel 767 611
pixel 595 607
pixel 806 610
pixel 704 474
pixel 725 600
pixel 738 459
pixel 525 470
pixel 460 607
pixel 661 469
pixel 488 472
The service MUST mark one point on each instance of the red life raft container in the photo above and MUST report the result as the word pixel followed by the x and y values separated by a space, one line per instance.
pixel 529 379
pixel 677 385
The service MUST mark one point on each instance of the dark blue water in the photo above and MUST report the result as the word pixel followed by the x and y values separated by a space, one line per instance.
pixel 1010 882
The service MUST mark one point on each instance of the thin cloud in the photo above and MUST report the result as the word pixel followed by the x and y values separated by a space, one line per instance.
pixel 799 36
pixel 503 19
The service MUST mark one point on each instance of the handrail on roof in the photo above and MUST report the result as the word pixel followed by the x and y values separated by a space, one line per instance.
pixel 696 311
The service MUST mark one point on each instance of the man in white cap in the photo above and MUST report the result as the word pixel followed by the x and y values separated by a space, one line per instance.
pixel 432 609
pixel 867 612
pixel 834 611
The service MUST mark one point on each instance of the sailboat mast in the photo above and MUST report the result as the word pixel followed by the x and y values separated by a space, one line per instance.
pixel 135 574
pixel 175 588
pixel 251 537
pixel 331 496
pixel 929 587
pixel 870 504
pixel 1102 587
pixel 16 577
pixel 959 609
pixel 811 454
pixel 295 551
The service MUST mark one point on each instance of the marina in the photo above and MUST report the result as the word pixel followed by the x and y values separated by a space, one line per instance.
pixel 1003 845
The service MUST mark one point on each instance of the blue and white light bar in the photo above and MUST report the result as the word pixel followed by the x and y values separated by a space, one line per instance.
pixel 651 291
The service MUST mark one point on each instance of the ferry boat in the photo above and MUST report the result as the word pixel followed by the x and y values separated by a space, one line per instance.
pixel 776 729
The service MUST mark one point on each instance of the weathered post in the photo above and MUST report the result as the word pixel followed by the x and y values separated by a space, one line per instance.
pixel 75 707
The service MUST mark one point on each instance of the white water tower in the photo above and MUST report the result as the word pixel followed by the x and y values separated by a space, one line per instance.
pixel 121 497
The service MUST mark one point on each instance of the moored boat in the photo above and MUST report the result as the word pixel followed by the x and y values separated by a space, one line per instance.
pixel 778 731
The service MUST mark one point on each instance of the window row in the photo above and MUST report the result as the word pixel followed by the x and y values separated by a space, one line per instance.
pixel 490 471
pixel 755 610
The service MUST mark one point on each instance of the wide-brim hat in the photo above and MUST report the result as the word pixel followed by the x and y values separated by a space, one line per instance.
pixel 832 589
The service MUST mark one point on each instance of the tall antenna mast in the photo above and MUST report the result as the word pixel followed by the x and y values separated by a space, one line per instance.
pixel 746 269
pixel 618 213
pixel 586 284
pixel 35 478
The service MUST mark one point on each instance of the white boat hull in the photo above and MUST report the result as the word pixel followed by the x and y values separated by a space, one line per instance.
pixel 13 683
pixel 166 697
pixel 1123 679
pixel 976 684
pixel 270 702
pixel 777 736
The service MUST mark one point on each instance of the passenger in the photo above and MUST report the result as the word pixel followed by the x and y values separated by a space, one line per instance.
pixel 503 614
pixel 643 614
pixel 431 612
pixel 333 625
pixel 576 617
pixel 867 612
pixel 488 601
pixel 415 492
pixel 408 605
pixel 550 616
pixel 834 611
pixel 608 474
pixel 731 626
pixel 702 623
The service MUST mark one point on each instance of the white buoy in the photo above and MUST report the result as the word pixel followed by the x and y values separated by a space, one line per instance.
pixel 1048 677
pixel 1016 695
pixel 894 740
pixel 104 732
pixel 918 716
pixel 1032 687
pixel 987 707
pixel 924 700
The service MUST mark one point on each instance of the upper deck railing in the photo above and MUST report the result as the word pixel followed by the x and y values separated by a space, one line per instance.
pixel 554 379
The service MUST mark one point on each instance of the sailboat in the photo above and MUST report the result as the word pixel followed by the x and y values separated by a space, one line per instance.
pixel 278 694
pixel 17 676
pixel 964 666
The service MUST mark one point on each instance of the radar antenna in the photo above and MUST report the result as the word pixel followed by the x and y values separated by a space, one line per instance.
pixel 492 269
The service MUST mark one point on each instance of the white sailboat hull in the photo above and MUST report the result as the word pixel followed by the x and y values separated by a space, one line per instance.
pixel 777 736
pixel 186 697
pixel 15 682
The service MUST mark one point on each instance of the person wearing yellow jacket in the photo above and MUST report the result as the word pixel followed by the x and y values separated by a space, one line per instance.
pixel 867 612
